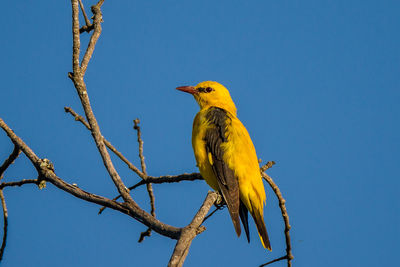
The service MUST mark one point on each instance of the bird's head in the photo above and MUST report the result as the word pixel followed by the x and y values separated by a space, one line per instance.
pixel 211 94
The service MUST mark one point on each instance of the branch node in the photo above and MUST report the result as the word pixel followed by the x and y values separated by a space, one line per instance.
pixel 200 229
pixel 10 160
pixel 144 234
pixel 268 165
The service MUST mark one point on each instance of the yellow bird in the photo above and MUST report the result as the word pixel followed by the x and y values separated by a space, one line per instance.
pixel 226 156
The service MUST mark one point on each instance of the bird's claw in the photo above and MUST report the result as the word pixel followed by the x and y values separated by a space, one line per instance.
pixel 219 202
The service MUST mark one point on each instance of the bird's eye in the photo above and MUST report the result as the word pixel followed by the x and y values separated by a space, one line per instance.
pixel 208 89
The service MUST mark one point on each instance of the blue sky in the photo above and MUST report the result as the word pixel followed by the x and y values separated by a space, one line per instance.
pixel 316 83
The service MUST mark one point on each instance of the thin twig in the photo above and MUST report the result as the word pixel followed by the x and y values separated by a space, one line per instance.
pixel 87 21
pixel 13 156
pixel 80 86
pixel 97 20
pixel 5 226
pixel 75 37
pixel 275 260
pixel 169 179
pixel 191 231
pixel 267 166
pixel 162 180
pixel 149 186
pixel 77 117
pixel 20 183
pixel 140 142
pixel 211 214
pixel 106 142
pixel 47 173
pixel 275 188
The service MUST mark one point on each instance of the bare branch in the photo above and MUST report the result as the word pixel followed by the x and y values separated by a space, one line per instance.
pixel 77 117
pixel 191 231
pixel 275 260
pixel 46 172
pixel 87 21
pixel 267 166
pixel 97 20
pixel 169 179
pixel 20 183
pixel 163 179
pixel 211 214
pixel 75 36
pixel 106 142
pixel 5 227
pixel 147 179
pixel 77 78
pixel 140 142
pixel 13 156
pixel 275 188
pixel 149 186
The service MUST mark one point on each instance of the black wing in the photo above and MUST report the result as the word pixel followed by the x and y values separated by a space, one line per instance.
pixel 227 182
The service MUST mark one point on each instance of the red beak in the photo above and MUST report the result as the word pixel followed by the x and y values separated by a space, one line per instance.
pixel 187 89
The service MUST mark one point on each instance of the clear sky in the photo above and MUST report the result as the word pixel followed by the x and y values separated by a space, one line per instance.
pixel 316 84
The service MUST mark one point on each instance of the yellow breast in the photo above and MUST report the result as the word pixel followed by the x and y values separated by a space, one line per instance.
pixel 200 126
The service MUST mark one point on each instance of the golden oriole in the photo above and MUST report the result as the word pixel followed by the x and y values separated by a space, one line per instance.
pixel 226 156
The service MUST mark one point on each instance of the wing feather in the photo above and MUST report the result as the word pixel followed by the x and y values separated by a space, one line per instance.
pixel 227 182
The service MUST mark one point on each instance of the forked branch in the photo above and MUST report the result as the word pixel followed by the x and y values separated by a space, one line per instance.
pixel 285 216
pixel 191 231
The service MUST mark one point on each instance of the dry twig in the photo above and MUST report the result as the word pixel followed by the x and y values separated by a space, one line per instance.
pixel 20 183
pixel 87 21
pixel 149 186
pixel 5 226
pixel 13 156
pixel 275 188
pixel 169 179
pixel 77 78
pixel 47 173
pixel 191 231
pixel 162 180
pixel 106 142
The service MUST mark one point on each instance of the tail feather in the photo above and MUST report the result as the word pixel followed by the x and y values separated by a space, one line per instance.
pixel 262 230
pixel 244 216
pixel 232 201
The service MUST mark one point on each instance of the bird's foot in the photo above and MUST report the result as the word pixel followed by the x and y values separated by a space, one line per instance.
pixel 220 202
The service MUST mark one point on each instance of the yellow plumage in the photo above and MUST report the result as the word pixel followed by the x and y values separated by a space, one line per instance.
pixel 226 156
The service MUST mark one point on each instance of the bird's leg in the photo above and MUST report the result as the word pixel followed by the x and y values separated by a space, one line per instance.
pixel 220 202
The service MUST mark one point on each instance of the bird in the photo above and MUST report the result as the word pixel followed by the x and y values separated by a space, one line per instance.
pixel 226 157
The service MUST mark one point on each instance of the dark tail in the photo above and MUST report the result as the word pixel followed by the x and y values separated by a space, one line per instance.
pixel 244 217
pixel 262 230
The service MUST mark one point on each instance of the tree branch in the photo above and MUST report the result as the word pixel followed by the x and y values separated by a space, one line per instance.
pixel 163 179
pixel 191 231
pixel 20 183
pixel 5 227
pixel 140 142
pixel 97 20
pixel 149 186
pixel 275 260
pixel 267 166
pixel 77 78
pixel 169 179
pixel 75 36
pixel 275 188
pixel 46 172
pixel 106 142
pixel 87 21
pixel 13 156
